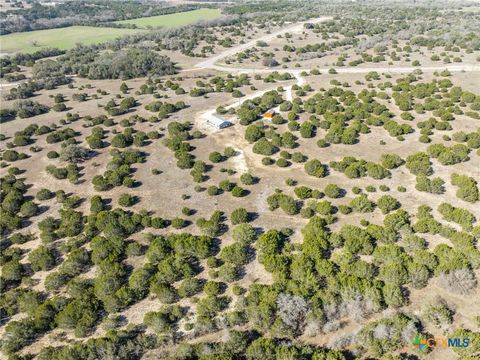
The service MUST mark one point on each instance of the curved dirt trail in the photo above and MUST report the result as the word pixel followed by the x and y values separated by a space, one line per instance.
pixel 211 61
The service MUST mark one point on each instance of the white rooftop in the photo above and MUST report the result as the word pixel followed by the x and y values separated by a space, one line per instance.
pixel 217 121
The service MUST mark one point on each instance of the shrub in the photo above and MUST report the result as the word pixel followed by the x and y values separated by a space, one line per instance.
pixel 187 211
pixel 345 209
pixel 419 164
pixel 356 240
pixel 44 194
pixel 74 154
pixel 29 209
pixel 19 238
pixel 264 147
pixel 228 272
pixel 253 133
pixel 178 223
pixel 307 129
pixel 135 249
pixel 122 141
pixel 189 287
pixel 467 187
pixel 59 107
pixel 362 204
pixel 229 152
pixel 303 192
pixel 282 162
pixel 351 167
pixel 239 216
pixel 244 233
pixel 41 259
pixel 247 179
pixel 333 191
pixel 285 202
pixel 165 293
pixel 315 168
pixel 433 186
pixel 269 61
pixel 126 200
pixel 267 161
pixel 387 203
pixel 236 254
pixel 29 108
pixel 12 155
pixel 298 157
pixel 213 190
pixel 215 157
pixel 52 155
pixel 307 212
pixel 55 280
pixel 449 155
pixel 324 208
pixel 461 281
pixel 439 313
pixel 21 140
pixel 461 216
pixel 18 334
pixel 12 271
pixel 237 191
pixel 377 171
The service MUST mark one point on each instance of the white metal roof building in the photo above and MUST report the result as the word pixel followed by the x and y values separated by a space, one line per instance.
pixel 217 121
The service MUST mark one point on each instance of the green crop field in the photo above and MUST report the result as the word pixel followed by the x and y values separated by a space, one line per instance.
pixel 174 20
pixel 66 38
pixel 63 38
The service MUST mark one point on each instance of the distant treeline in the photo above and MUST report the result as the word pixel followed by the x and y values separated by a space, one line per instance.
pixel 9 64
pixel 121 64
pixel 92 13
pixel 89 63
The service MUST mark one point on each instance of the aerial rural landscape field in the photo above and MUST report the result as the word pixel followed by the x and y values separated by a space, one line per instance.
pixel 251 180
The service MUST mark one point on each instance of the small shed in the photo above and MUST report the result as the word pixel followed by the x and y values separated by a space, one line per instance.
pixel 269 114
pixel 217 122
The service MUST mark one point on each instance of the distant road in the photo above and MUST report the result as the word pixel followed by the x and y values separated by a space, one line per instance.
pixel 352 69
pixel 403 69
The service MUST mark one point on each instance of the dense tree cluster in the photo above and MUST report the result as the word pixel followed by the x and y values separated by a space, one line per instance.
pixel 461 216
pixel 433 186
pixel 29 108
pixel 283 201
pixel 118 170
pixel 354 168
pixel 122 64
pixel 467 187
pixel 15 205
pixel 419 164
pixel 449 155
